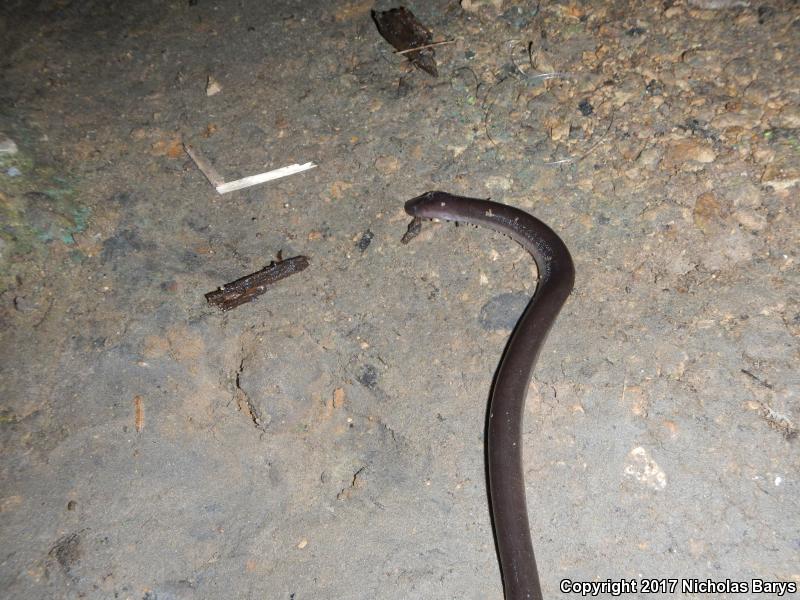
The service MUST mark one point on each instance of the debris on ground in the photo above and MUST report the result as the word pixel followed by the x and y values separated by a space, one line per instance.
pixel 251 286
pixel 223 187
pixel 402 30
pixel 213 86
pixel 7 145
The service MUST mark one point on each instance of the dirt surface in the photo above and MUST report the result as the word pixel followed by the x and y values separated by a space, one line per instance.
pixel 326 440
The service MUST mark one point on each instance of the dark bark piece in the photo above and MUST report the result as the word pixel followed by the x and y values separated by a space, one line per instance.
pixel 402 30
pixel 251 286
pixel 413 230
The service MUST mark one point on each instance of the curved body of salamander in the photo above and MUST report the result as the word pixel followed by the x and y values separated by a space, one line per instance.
pixel 506 408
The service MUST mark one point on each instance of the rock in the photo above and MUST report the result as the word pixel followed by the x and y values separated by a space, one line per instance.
pixel 728 120
pixel 741 70
pixel 138 133
pixel 744 194
pixel 212 86
pixel 789 118
pixel 766 338
pixel 23 304
pixel 759 94
pixel 707 212
pixel 560 131
pixel 649 157
pixel 477 5
pixel 7 146
pixel 728 250
pixel 763 156
pixel 641 467
pixel 781 176
pixel 683 151
pixel 630 89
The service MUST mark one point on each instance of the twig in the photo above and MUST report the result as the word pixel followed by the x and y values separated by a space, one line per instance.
pixel 219 184
pixel 431 45
pixel 245 182
pixel 251 286
pixel 758 379
pixel 553 75
pixel 214 178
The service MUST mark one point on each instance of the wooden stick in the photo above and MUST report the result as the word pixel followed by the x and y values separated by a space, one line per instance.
pixel 245 182
pixel 251 286
pixel 205 167
pixel 431 45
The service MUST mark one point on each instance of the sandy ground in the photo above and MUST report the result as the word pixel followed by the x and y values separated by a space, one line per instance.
pixel 326 440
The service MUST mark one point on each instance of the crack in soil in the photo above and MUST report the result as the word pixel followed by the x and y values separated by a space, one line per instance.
pixel 355 483
pixel 243 400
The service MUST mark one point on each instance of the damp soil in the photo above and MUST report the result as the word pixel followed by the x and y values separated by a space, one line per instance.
pixel 326 439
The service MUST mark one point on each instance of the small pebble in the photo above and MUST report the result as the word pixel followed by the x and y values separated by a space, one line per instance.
pixel 642 468
pixel 212 86
pixel 781 175
pixel 765 13
pixel 691 150
pixel 7 145
pixel 654 88
pixel 476 5
pixel 368 377
pixel 365 240
pixel 707 212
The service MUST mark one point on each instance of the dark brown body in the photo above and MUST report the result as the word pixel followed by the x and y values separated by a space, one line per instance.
pixel 506 408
